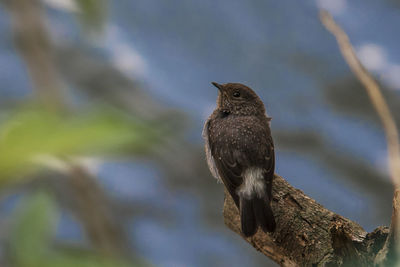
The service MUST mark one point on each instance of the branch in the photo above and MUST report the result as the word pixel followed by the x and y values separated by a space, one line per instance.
pixel 308 234
pixel 390 252
pixel 374 93
pixel 34 45
pixel 94 210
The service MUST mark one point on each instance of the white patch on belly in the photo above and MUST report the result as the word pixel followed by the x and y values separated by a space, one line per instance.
pixel 253 183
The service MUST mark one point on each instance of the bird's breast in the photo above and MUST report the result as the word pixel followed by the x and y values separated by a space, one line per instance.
pixel 242 133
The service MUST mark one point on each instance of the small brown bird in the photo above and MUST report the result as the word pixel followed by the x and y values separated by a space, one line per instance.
pixel 240 153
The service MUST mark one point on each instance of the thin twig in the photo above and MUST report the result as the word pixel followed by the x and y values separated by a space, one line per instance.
pixel 373 91
pixel 386 117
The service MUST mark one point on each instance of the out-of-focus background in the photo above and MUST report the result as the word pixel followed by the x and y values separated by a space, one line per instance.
pixel 102 104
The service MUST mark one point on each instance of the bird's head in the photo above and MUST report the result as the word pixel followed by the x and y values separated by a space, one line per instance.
pixel 236 98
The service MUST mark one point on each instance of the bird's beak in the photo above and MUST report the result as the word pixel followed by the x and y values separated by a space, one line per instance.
pixel 219 86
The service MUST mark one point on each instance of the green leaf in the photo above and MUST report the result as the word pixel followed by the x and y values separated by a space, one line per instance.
pixel 29 134
pixel 93 13
pixel 35 220
pixel 31 239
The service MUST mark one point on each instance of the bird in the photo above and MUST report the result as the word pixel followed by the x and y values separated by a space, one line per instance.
pixel 240 154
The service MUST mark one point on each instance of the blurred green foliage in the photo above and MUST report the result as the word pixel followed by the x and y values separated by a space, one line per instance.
pixel 93 13
pixel 30 133
pixel 31 238
pixel 29 136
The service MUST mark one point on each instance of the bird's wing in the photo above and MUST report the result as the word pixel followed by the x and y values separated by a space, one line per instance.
pixel 223 165
pixel 269 166
pixel 209 156
pixel 230 170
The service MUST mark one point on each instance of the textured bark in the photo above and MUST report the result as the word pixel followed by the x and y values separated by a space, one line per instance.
pixel 308 234
pixel 389 254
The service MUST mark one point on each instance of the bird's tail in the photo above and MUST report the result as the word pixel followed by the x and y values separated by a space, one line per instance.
pixel 256 212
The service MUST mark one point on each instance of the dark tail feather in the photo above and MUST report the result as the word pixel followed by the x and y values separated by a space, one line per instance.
pixel 256 212
pixel 247 217
pixel 263 213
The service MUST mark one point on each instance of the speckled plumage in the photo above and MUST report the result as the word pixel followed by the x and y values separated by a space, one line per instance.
pixel 240 153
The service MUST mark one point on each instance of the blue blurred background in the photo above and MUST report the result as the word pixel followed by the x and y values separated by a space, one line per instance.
pixel 153 61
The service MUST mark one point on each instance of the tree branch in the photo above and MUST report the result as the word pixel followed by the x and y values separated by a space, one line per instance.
pixel 94 210
pixel 34 45
pixel 308 234
pixel 374 93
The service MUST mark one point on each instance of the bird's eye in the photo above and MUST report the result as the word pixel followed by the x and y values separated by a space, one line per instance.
pixel 236 94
